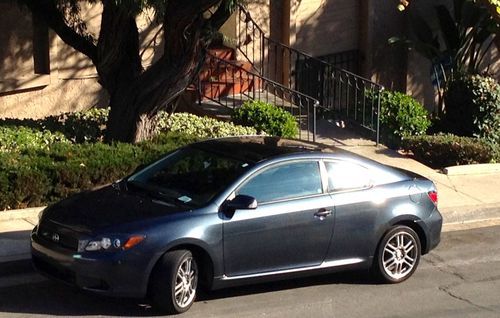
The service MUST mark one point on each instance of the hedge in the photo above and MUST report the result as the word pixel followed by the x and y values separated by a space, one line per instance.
pixel 266 118
pixel 443 150
pixel 39 176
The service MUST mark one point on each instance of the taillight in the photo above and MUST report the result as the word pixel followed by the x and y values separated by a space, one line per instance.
pixel 433 195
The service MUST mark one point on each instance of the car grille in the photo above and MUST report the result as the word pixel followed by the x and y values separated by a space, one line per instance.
pixel 55 235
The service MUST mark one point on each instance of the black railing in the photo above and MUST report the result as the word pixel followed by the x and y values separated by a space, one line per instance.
pixel 230 85
pixel 340 93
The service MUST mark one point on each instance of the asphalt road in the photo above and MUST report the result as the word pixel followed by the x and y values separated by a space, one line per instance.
pixel 461 278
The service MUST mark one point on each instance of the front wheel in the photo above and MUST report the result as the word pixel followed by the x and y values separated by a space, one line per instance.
pixel 398 254
pixel 174 282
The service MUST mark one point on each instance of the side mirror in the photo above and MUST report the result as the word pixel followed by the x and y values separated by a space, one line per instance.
pixel 241 202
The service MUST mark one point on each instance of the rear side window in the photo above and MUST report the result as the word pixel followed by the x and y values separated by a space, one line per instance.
pixel 285 181
pixel 343 175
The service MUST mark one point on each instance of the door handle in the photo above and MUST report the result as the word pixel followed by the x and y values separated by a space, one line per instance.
pixel 322 213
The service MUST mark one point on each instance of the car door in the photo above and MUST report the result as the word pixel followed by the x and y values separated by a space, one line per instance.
pixel 357 205
pixel 290 228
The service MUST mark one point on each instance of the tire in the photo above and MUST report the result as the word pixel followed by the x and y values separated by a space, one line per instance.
pixel 398 255
pixel 174 282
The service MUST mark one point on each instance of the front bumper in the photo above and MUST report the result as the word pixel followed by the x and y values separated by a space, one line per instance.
pixel 120 274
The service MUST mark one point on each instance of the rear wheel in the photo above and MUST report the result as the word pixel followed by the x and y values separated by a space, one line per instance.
pixel 398 254
pixel 174 282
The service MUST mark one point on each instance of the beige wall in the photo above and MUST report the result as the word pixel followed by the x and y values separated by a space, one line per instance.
pixel 326 26
pixel 318 27
pixel 71 84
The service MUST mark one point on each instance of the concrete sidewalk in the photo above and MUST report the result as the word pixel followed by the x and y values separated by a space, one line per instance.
pixel 463 198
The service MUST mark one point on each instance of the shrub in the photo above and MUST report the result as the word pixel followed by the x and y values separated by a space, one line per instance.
pixel 204 127
pixel 16 139
pixel 39 176
pixel 266 118
pixel 473 107
pixel 438 151
pixel 90 125
pixel 84 126
pixel 401 116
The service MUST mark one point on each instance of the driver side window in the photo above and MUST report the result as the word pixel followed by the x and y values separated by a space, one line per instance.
pixel 292 180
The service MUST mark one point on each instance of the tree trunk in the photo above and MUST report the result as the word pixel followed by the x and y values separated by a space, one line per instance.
pixel 137 95
pixel 135 103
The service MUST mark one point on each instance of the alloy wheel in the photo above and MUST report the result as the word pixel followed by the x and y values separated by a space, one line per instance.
pixel 186 281
pixel 400 255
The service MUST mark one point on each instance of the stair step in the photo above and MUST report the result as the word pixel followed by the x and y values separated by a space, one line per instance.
pixel 226 72
pixel 215 90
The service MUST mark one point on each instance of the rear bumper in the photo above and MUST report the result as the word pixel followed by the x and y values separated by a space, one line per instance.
pixel 120 274
pixel 432 227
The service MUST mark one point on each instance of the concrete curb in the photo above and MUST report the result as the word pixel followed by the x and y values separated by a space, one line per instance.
pixel 473 169
pixel 470 213
pixel 20 214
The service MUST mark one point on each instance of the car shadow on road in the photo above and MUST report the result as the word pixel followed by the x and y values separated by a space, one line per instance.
pixel 51 298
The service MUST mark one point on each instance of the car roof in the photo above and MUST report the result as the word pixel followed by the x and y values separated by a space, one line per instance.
pixel 258 148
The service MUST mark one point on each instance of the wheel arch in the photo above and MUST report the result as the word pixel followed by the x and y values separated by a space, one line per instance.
pixel 416 226
pixel 203 258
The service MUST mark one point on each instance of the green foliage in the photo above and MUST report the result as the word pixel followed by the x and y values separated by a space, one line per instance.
pixel 90 125
pixel 443 150
pixel 39 176
pixel 473 107
pixel 204 127
pixel 266 118
pixel 401 116
pixel 466 32
pixel 84 126
pixel 16 139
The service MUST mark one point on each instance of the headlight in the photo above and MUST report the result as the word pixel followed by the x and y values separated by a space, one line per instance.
pixel 113 243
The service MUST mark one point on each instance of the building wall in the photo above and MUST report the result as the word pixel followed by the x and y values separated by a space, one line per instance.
pixel 37 80
pixel 325 26
pixel 69 82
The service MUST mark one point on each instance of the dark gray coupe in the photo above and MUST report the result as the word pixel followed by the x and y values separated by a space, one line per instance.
pixel 238 210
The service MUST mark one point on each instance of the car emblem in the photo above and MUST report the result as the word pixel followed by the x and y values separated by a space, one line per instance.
pixel 55 237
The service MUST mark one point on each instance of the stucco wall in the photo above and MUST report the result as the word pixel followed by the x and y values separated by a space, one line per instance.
pixel 326 26
pixel 71 84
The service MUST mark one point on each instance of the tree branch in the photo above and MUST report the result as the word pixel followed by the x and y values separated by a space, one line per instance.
pixel 48 11
pixel 220 16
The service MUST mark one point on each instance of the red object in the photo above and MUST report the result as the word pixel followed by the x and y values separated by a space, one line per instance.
pixel 433 195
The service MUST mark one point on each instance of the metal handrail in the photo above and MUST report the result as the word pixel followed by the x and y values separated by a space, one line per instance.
pixel 298 52
pixel 338 90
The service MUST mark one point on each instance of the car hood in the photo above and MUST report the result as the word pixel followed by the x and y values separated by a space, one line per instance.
pixel 109 206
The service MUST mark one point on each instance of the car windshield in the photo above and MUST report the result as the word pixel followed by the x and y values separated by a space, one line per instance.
pixel 189 176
